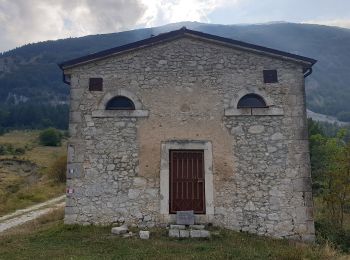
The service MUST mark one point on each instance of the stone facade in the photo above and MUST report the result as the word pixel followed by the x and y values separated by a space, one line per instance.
pixel 186 90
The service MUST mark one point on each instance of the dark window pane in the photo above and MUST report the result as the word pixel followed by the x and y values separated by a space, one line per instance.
pixel 121 103
pixel 270 76
pixel 251 100
pixel 95 84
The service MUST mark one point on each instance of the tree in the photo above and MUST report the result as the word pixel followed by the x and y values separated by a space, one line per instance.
pixel 317 140
pixel 337 177
pixel 50 137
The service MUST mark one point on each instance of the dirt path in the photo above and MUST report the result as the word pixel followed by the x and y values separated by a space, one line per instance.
pixel 24 215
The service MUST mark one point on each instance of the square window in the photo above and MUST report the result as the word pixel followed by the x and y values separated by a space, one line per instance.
pixel 95 84
pixel 270 76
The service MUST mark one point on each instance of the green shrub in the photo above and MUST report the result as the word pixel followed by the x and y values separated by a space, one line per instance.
pixel 58 169
pixel 2 149
pixel 20 151
pixel 7 149
pixel 50 137
pixel 10 149
pixel 326 231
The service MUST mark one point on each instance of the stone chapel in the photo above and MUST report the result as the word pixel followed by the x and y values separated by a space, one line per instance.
pixel 190 121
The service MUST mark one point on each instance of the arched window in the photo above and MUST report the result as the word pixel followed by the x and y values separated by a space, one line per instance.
pixel 120 103
pixel 251 101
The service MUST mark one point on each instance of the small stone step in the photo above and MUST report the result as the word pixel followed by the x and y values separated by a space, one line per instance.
pixel 177 227
pixel 120 230
pixel 199 227
pixel 144 234
pixel 184 233
pixel 174 233
pixel 194 233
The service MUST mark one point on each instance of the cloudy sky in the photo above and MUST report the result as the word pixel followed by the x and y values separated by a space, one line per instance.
pixel 26 21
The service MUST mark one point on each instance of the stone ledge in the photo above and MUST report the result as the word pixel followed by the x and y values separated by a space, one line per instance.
pixel 198 227
pixel 120 113
pixel 269 111
pixel 181 233
pixel 177 227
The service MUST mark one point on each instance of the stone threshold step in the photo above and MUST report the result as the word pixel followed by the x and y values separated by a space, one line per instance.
pixel 182 233
pixel 197 227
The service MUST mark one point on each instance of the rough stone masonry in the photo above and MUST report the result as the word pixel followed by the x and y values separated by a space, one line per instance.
pixel 185 87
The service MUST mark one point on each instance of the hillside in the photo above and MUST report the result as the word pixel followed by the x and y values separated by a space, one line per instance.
pixel 30 77
pixel 25 167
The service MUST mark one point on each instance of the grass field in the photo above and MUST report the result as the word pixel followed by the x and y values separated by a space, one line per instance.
pixel 24 177
pixel 48 238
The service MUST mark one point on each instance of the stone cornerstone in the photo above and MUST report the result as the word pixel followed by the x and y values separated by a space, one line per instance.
pixel 186 91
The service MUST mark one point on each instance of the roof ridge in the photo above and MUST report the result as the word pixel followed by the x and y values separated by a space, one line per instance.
pixel 177 33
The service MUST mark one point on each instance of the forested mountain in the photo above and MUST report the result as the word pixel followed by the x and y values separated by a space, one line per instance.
pixel 30 80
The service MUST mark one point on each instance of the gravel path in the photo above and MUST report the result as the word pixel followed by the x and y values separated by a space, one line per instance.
pixel 24 215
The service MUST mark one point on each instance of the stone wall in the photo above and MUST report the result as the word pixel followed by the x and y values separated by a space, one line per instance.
pixel 109 189
pixel 269 193
pixel 186 90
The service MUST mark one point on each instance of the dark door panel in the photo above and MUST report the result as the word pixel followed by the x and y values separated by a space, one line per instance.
pixel 187 187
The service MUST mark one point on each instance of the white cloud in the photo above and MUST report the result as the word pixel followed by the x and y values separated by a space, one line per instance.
pixel 24 21
pixel 170 11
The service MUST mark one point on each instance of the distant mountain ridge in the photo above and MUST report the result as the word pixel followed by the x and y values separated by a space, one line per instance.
pixel 30 73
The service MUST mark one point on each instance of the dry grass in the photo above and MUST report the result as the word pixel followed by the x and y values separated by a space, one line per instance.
pixel 41 155
pixel 31 227
pixel 20 138
pixel 25 179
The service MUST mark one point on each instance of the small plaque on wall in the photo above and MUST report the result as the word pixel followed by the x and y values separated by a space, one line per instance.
pixel 185 217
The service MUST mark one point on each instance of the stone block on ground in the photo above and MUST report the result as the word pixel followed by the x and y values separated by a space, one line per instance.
pixel 144 234
pixel 195 233
pixel 184 233
pixel 130 234
pixel 177 227
pixel 199 227
pixel 120 230
pixel 174 233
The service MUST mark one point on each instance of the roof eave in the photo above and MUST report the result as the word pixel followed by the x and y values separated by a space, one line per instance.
pixel 176 34
pixel 259 49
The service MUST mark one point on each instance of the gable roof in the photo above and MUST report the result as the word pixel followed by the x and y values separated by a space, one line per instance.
pixel 179 33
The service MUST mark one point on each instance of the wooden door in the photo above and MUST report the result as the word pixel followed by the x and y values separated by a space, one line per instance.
pixel 187 181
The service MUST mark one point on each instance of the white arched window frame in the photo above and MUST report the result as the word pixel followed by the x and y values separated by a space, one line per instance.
pixel 270 109
pixel 137 112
